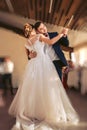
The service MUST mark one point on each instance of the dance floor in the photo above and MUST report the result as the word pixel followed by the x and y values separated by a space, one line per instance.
pixel 79 102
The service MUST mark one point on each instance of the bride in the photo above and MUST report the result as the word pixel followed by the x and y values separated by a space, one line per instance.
pixel 41 98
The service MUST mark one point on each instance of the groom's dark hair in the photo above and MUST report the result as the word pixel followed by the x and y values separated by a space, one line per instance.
pixel 37 24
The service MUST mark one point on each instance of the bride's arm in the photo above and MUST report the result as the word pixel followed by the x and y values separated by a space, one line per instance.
pixel 53 40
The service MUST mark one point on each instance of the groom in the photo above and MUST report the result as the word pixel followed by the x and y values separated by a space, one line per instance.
pixel 54 51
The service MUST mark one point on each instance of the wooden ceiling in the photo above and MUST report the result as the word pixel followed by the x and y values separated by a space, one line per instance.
pixel 57 12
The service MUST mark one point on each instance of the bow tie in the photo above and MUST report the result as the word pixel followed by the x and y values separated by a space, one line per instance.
pixel 46 35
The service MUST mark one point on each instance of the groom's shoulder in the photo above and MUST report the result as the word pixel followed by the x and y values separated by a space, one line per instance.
pixel 53 33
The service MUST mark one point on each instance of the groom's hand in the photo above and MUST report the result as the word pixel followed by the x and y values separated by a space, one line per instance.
pixel 32 54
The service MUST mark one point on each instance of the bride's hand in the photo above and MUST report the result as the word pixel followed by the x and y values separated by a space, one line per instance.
pixel 65 31
pixel 32 54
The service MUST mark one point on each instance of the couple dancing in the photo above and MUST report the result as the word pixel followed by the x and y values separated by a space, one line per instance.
pixel 41 98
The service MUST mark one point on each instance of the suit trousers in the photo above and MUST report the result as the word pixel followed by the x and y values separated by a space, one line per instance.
pixel 58 68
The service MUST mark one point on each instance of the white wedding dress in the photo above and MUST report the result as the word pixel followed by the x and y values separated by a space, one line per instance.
pixel 41 97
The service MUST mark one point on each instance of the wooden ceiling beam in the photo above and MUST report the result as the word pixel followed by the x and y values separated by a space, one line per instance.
pixel 61 11
pixel 54 15
pixel 46 10
pixel 3 6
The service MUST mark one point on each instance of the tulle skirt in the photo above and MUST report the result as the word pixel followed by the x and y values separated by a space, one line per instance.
pixel 41 96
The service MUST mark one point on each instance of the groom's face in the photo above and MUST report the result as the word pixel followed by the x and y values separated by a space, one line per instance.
pixel 42 29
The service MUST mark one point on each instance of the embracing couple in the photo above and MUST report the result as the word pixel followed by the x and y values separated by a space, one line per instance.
pixel 54 51
pixel 41 99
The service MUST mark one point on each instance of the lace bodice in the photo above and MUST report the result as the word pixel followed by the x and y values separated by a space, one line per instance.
pixel 38 46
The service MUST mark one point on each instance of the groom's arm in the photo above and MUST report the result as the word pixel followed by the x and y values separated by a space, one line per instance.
pixel 62 41
pixel 27 52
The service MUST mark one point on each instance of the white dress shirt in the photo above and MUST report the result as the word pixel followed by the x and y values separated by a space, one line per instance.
pixel 50 51
pixel 53 56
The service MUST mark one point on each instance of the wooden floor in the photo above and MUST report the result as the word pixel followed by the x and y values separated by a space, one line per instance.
pixel 79 102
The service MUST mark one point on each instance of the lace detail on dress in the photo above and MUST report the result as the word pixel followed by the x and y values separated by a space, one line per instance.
pixel 30 45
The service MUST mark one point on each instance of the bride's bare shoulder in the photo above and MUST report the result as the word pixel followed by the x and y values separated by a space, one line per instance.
pixel 32 39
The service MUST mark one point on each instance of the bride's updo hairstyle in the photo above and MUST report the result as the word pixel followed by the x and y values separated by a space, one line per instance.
pixel 27 29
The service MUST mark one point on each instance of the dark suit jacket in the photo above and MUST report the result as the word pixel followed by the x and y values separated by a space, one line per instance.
pixel 63 41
